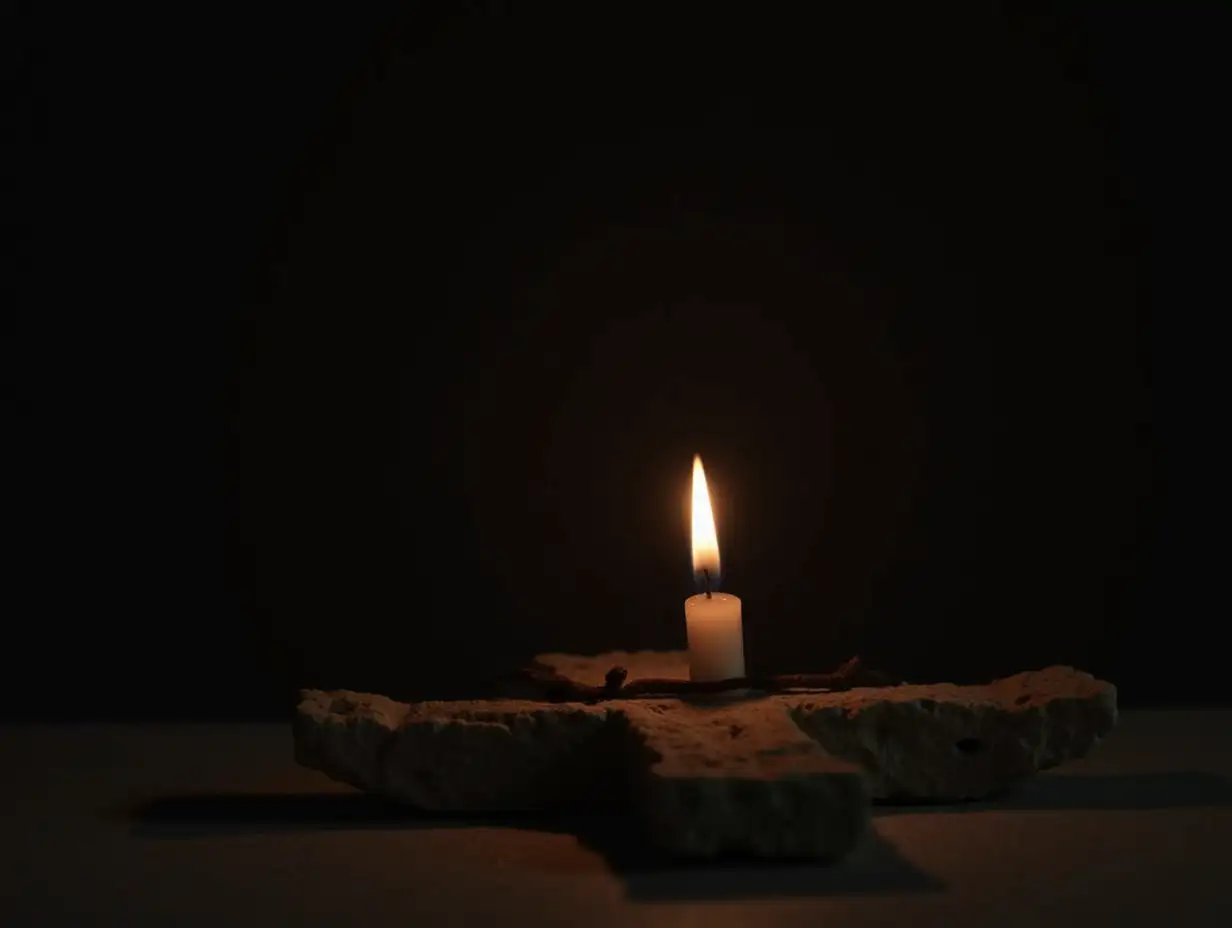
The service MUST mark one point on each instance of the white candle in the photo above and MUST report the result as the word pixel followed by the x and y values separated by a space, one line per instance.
pixel 716 635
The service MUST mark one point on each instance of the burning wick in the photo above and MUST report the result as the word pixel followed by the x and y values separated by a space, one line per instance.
pixel 712 619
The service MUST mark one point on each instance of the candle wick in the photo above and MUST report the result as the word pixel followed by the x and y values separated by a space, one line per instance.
pixel 706 581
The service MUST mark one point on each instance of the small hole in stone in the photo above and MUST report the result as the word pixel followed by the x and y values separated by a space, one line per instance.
pixel 1024 698
pixel 968 745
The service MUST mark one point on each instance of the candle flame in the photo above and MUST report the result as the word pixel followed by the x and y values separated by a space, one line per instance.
pixel 705 540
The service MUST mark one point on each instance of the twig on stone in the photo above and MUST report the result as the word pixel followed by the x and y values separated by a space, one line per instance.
pixel 541 682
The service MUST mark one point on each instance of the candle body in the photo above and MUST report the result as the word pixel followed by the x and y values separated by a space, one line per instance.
pixel 716 637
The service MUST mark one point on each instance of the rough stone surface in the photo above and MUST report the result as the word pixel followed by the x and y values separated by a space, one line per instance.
pixel 781 775
pixel 500 755
pixel 740 778
pixel 942 742
pixel 925 743
pixel 703 780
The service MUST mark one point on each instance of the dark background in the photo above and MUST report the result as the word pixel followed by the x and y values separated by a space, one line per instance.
pixel 370 348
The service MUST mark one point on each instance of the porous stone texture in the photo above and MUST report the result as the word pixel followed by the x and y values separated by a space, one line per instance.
pixel 943 742
pixel 742 778
pixel 929 742
pixel 775 775
pixel 500 755
pixel 702 780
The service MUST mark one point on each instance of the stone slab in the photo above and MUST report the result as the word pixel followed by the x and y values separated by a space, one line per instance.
pixel 775 775
pixel 924 743
pixel 943 742
pixel 741 779
pixel 498 755
pixel 701 780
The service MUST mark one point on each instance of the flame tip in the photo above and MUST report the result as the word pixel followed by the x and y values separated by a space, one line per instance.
pixel 705 540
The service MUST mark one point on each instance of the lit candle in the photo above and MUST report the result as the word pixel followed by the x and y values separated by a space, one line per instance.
pixel 716 636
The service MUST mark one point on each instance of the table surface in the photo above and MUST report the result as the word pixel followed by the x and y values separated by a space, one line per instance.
pixel 215 825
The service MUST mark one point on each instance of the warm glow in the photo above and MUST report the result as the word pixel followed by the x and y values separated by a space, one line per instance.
pixel 705 541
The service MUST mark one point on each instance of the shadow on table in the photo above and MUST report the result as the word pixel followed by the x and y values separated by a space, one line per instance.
pixel 1178 790
pixel 874 868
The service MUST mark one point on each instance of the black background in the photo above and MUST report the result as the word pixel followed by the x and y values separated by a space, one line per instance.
pixel 370 348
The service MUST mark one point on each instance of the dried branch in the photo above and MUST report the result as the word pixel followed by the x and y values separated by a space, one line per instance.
pixel 541 682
